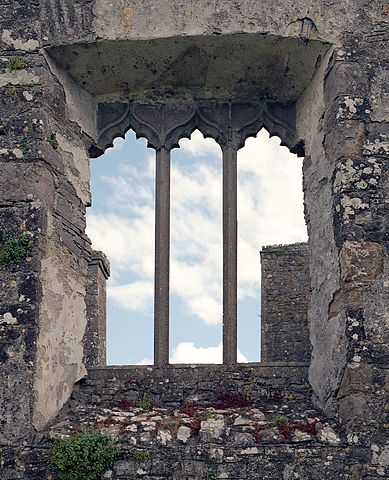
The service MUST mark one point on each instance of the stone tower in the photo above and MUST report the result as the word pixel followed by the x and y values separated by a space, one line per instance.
pixel 284 303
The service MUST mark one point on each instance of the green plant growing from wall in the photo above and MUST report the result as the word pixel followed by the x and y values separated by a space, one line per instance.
pixel 145 402
pixel 53 141
pixel 24 146
pixel 139 455
pixel 278 253
pixel 204 415
pixel 305 321
pixel 212 475
pixel 84 456
pixel 280 420
pixel 16 63
pixel 10 91
pixel 15 248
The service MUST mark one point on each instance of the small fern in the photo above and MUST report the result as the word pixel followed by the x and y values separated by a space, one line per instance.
pixel 146 402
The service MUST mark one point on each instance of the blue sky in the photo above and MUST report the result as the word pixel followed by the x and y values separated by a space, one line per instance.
pixel 121 223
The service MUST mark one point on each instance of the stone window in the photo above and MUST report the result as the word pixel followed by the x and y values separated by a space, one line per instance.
pixel 230 124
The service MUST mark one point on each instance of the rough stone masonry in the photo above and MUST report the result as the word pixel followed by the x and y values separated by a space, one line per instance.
pixel 284 303
pixel 71 75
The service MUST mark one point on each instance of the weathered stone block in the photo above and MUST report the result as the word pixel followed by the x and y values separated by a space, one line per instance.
pixel 377 139
pixel 345 78
pixel 361 261
pixel 345 141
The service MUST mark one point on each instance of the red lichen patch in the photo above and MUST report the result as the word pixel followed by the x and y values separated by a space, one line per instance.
pixel 287 430
pixel 123 426
pixel 195 426
pixel 126 404
pixel 257 432
pixel 134 381
pixel 227 400
pixel 73 429
pixel 107 422
pixel 229 419
pixel 307 427
pixel 190 409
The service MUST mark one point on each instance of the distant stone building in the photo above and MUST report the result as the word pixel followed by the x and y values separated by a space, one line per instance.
pixel 284 303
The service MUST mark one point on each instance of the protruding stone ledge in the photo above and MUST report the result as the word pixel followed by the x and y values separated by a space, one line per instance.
pixel 100 259
pixel 95 334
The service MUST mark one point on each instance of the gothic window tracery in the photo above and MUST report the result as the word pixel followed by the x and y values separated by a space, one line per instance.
pixel 163 125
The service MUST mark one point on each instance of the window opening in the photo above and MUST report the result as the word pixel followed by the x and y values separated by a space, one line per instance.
pixel 196 252
pixel 270 212
pixel 120 223
pixel 163 126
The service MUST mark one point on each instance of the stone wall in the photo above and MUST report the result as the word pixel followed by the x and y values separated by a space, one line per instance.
pixel 285 292
pixel 195 422
pixel 44 191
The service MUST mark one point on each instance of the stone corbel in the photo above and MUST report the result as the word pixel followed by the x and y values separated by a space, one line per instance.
pixel 113 121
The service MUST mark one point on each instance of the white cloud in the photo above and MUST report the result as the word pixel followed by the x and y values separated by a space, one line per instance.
pixel 187 352
pixel 136 296
pixel 128 242
pixel 133 188
pixel 145 361
pixel 270 211
pixel 118 144
pixel 199 146
pixel 270 204
pixel 195 240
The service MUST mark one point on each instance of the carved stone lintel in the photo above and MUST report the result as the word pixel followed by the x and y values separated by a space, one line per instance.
pixel 163 125
pixel 230 124
pixel 113 120
pixel 280 120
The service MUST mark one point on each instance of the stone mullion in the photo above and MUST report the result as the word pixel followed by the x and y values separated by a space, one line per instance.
pixel 163 126
pixel 230 124
pixel 162 257
pixel 230 245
